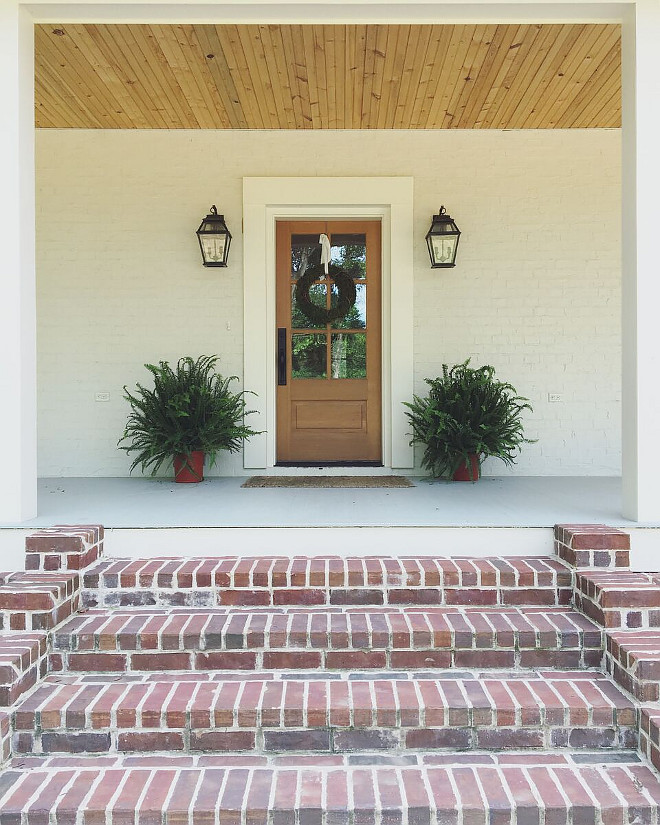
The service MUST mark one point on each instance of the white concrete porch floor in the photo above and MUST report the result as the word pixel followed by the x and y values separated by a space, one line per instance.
pixel 222 502
pixel 146 517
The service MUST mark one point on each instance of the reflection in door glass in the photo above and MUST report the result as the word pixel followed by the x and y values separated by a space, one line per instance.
pixel 305 252
pixel 356 317
pixel 349 355
pixel 349 251
pixel 308 356
pixel 317 295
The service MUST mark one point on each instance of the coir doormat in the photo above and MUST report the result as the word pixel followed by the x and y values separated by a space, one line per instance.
pixel 328 481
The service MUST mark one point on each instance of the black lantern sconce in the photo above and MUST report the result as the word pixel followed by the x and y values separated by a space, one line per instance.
pixel 442 239
pixel 214 239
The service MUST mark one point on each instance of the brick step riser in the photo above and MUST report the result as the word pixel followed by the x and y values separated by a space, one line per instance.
pixel 325 660
pixel 638 618
pixel 649 735
pixel 318 597
pixel 5 736
pixel 334 740
pixel 10 693
pixel 642 689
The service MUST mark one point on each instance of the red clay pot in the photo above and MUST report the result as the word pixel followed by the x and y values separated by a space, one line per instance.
pixel 189 469
pixel 463 471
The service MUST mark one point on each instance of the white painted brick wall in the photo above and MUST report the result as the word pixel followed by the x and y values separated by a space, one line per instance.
pixel 536 291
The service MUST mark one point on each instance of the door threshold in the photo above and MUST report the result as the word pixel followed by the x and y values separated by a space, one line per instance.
pixel 321 464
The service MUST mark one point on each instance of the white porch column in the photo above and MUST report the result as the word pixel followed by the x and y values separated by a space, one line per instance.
pixel 18 480
pixel 641 261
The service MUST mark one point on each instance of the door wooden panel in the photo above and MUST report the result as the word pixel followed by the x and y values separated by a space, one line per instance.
pixel 330 415
pixel 329 408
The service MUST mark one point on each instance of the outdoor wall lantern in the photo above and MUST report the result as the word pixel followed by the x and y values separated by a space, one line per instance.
pixel 214 239
pixel 442 239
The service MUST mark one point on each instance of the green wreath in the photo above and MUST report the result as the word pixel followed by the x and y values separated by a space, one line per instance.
pixel 345 300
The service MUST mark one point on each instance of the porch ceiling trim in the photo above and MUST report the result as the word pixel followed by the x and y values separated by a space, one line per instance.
pixel 329 11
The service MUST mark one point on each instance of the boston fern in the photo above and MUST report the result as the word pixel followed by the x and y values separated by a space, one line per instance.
pixel 467 412
pixel 190 408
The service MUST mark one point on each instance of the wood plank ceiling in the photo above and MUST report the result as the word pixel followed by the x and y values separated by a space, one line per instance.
pixel 328 76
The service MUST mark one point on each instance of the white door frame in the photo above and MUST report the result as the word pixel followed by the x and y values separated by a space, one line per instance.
pixel 265 200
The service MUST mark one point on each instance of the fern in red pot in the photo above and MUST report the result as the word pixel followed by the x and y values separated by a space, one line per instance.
pixel 189 415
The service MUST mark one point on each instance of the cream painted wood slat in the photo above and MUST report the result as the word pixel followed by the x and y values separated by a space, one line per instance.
pixel 327 76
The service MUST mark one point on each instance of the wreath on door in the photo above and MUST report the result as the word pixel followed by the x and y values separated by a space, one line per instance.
pixel 346 297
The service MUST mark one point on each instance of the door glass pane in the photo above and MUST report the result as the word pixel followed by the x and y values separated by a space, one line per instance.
pixel 308 356
pixel 299 320
pixel 305 252
pixel 356 318
pixel 350 252
pixel 349 355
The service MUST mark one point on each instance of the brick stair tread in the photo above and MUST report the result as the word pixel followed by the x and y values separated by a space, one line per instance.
pixel 353 638
pixel 384 624
pixel 210 713
pixel 36 591
pixel 498 794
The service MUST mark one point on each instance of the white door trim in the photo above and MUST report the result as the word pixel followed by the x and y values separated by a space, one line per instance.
pixel 266 200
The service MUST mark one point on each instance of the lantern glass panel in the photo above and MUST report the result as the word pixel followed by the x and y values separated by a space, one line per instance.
pixel 444 248
pixel 213 247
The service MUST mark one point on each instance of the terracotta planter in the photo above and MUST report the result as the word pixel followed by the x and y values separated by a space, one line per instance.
pixel 189 469
pixel 463 471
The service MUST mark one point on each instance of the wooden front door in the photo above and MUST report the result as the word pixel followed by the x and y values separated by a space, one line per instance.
pixel 328 373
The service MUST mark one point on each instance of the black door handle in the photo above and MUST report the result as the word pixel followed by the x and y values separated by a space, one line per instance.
pixel 281 357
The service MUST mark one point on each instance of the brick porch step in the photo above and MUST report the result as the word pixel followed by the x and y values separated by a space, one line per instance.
pixel 330 580
pixel 326 638
pixel 554 792
pixel 37 601
pixel 619 598
pixel 633 659
pixel 23 661
pixel 276 713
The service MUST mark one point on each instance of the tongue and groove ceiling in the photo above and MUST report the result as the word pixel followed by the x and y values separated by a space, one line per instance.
pixel 328 76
